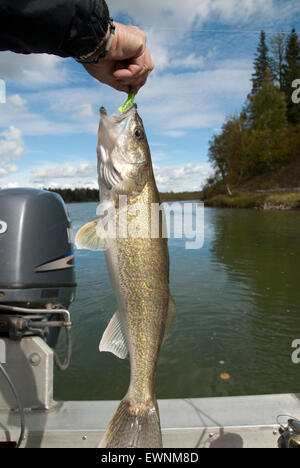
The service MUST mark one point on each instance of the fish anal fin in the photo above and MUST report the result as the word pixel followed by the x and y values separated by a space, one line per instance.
pixel 114 339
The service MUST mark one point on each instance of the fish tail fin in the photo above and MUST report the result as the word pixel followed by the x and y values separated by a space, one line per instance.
pixel 133 427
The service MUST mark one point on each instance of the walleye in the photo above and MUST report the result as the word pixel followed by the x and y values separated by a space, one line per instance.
pixel 139 270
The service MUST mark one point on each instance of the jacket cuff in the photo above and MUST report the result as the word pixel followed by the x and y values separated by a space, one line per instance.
pixel 87 30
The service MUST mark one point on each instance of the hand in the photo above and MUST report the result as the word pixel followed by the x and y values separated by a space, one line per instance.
pixel 127 64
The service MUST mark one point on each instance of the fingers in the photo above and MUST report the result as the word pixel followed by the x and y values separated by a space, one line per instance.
pixel 135 72
pixel 134 68
pixel 128 62
pixel 125 71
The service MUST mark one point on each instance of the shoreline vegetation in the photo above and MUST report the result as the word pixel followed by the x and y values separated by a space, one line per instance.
pixel 256 154
pixel 275 200
pixel 282 199
pixel 83 195
pixel 276 190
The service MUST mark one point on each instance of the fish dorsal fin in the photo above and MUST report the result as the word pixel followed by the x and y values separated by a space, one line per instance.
pixel 114 339
pixel 88 237
pixel 171 316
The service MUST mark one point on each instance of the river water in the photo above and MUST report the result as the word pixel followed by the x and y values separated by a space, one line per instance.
pixel 237 299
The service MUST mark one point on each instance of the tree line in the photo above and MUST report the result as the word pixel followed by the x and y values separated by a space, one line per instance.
pixel 266 134
pixel 77 195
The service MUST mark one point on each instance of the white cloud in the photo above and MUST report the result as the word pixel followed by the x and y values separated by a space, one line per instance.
pixel 158 156
pixel 177 102
pixel 11 146
pixel 178 14
pixel 17 112
pixel 170 24
pixel 85 110
pixel 84 174
pixel 174 133
pixel 17 101
pixel 164 58
pixel 32 70
pixel 190 61
pixel 11 149
pixel 80 170
pixel 8 169
pixel 69 101
pixel 180 178
pixel 159 52
pixel 11 185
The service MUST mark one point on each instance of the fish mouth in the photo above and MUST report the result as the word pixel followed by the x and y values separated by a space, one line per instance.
pixel 112 126
pixel 116 118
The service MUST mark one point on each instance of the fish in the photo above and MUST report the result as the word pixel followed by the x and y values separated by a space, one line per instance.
pixel 136 251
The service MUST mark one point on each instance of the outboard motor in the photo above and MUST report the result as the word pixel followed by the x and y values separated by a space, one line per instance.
pixel 37 286
pixel 37 279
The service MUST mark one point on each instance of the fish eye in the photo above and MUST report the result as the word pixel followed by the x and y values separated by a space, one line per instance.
pixel 139 133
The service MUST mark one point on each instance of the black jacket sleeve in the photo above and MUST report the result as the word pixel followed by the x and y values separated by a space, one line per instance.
pixel 68 28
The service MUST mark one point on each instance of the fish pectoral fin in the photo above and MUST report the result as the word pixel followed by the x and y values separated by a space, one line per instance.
pixel 114 339
pixel 88 237
pixel 125 187
pixel 171 316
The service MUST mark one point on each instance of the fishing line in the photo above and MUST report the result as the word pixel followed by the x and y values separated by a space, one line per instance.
pixel 221 31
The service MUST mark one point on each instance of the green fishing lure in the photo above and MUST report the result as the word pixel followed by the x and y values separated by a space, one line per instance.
pixel 127 103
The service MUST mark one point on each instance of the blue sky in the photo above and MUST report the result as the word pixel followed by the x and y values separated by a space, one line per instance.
pixel 203 52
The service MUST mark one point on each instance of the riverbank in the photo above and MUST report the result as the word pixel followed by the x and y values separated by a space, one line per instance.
pixel 262 200
pixel 276 190
pixel 180 196
pixel 267 200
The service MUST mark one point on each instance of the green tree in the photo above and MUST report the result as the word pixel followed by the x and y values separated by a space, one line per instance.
pixel 290 74
pixel 228 151
pixel 277 57
pixel 267 114
pixel 291 142
pixel 218 156
pixel 235 133
pixel 261 64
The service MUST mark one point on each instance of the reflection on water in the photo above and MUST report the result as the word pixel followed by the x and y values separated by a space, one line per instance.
pixel 237 304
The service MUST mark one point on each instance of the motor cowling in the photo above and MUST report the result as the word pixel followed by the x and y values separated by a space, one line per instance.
pixel 36 251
